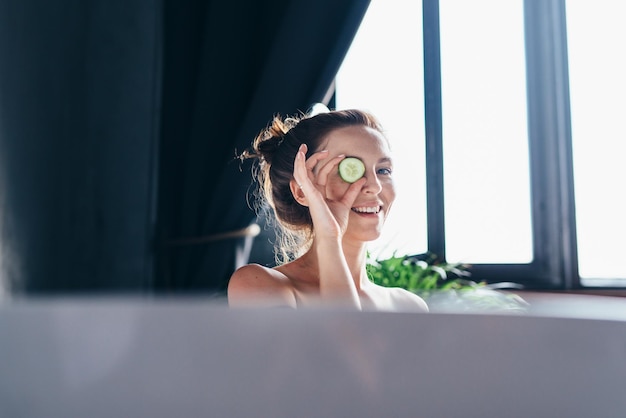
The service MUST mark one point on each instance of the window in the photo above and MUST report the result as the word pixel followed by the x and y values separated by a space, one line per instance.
pixel 375 77
pixel 596 34
pixel 517 106
pixel 485 141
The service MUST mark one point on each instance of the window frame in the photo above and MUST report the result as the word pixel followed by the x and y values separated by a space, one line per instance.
pixel 555 261
pixel 553 216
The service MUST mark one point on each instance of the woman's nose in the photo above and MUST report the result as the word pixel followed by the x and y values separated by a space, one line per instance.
pixel 372 185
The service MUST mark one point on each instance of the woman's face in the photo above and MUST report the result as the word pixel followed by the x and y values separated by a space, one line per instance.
pixel 372 205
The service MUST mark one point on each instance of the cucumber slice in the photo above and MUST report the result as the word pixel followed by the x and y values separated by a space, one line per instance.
pixel 351 169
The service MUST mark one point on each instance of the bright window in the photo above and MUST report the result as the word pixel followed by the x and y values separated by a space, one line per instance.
pixel 485 138
pixel 492 113
pixel 375 76
pixel 597 65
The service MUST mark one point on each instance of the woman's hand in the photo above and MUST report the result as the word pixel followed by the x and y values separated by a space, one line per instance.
pixel 329 204
pixel 330 209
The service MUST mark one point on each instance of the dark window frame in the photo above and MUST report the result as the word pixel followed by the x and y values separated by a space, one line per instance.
pixel 555 258
pixel 555 261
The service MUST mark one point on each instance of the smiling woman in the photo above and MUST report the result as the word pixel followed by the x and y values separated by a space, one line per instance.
pixel 325 222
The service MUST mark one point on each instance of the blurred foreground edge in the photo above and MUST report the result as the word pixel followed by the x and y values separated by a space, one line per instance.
pixel 191 357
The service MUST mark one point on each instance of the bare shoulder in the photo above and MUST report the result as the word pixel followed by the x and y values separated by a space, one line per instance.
pixel 254 285
pixel 406 301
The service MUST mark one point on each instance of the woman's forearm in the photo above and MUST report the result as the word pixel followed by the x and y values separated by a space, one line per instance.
pixel 336 283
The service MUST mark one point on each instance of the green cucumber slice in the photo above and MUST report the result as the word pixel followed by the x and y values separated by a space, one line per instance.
pixel 351 169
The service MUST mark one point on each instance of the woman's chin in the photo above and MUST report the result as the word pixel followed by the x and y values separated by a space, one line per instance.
pixel 365 236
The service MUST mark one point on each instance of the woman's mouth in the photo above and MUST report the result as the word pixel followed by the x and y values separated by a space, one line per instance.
pixel 367 209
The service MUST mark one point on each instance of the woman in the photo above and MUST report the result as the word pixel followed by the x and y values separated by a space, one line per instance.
pixel 326 221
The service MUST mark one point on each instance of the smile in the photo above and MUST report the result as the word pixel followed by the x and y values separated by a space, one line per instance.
pixel 372 209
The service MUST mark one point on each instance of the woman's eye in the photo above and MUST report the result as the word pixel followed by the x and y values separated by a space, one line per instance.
pixel 384 171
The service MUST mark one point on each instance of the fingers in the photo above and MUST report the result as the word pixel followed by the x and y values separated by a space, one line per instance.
pixel 353 191
pixel 303 167
pixel 349 194
pixel 331 166
pixel 308 180
pixel 312 161
pixel 329 203
pixel 299 167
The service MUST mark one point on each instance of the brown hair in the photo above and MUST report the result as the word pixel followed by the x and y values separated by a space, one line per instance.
pixel 275 148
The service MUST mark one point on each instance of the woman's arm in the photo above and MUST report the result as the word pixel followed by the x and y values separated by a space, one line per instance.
pixel 330 220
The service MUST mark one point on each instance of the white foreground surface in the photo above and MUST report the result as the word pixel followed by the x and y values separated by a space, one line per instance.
pixel 192 358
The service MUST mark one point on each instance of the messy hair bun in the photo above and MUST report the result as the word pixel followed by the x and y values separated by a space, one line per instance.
pixel 274 150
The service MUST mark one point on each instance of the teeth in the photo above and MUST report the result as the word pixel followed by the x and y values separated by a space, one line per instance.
pixel 375 209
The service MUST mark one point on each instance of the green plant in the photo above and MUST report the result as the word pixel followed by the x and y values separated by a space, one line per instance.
pixel 442 284
pixel 419 273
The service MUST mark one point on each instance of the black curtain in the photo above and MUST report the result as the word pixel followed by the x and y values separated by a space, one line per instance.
pixel 119 123
pixel 227 70
pixel 79 101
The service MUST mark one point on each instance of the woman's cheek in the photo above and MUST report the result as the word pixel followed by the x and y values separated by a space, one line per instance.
pixel 390 188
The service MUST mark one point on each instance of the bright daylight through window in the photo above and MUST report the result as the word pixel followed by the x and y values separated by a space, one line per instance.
pixel 596 35
pixel 375 77
pixel 485 139
pixel 487 189
pixel 485 129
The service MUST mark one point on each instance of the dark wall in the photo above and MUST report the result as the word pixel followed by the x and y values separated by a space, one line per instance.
pixel 78 90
